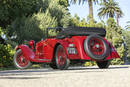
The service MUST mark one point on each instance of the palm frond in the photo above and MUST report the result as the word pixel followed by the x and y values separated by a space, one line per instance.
pixel 110 9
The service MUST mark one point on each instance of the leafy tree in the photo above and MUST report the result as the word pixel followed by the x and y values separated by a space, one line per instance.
pixel 32 27
pixel 64 2
pixel 75 20
pixel 50 15
pixel 2 41
pixel 110 9
pixel 128 25
pixel 90 4
pixel 59 12
pixel 114 35
pixel 11 9
pixel 126 34
pixel 83 23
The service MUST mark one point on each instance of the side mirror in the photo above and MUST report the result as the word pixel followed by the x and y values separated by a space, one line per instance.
pixel 31 43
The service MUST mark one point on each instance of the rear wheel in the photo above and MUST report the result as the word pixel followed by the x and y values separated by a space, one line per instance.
pixel 62 61
pixel 103 64
pixel 20 61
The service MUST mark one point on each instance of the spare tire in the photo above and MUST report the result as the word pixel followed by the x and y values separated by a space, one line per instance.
pixel 96 47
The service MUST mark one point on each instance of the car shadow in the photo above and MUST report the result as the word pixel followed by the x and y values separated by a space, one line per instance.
pixel 118 67
pixel 96 68
pixel 20 78
pixel 29 73
pixel 23 72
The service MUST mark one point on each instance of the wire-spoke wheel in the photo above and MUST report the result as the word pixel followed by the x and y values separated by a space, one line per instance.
pixel 20 61
pixel 96 47
pixel 62 61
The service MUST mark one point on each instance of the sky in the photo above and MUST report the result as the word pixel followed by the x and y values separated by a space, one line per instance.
pixel 82 11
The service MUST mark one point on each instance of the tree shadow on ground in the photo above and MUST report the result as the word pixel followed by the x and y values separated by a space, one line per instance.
pixel 29 73
pixel 95 67
pixel 20 78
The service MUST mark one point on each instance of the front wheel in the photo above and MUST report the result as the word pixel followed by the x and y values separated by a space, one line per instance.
pixel 103 64
pixel 62 61
pixel 20 61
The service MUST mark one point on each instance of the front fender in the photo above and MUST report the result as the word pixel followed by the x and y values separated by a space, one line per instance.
pixel 27 52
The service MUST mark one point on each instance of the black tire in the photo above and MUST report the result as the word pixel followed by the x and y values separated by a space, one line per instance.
pixel 101 48
pixel 61 58
pixel 80 31
pixel 17 64
pixel 103 64
pixel 53 62
pixel 53 65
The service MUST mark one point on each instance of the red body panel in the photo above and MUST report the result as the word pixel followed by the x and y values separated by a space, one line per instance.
pixel 45 49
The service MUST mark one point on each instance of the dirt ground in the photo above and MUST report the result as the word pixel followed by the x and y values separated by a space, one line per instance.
pixel 115 76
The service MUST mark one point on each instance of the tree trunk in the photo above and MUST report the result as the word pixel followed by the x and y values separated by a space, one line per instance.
pixel 111 15
pixel 117 17
pixel 90 4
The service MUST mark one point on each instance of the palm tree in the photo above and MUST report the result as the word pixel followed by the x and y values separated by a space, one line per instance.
pixel 119 14
pixel 90 4
pixel 110 9
pixel 128 25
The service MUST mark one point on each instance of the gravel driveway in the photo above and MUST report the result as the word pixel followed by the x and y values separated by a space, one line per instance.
pixel 115 76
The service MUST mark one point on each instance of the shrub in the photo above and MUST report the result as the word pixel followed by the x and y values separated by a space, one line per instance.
pixel 90 63
pixel 6 56
pixel 117 62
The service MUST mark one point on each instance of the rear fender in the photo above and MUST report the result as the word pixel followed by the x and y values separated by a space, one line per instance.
pixel 65 45
pixel 113 52
pixel 27 52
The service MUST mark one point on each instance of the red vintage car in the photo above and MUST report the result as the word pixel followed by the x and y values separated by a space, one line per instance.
pixel 70 44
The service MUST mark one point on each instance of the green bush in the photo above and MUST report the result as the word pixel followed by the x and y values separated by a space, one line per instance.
pixel 117 62
pixel 90 63
pixel 6 56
